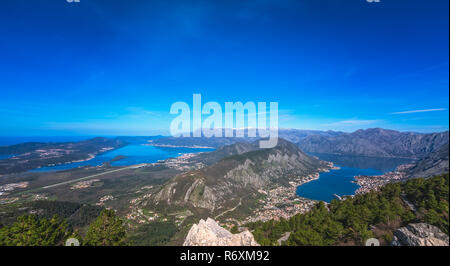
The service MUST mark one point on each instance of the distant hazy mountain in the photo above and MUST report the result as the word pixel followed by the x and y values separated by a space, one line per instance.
pixel 434 164
pixel 223 184
pixel 376 142
pixel 197 142
pixel 292 135
pixel 296 135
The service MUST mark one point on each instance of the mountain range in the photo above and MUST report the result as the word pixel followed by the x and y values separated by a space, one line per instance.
pixel 292 135
pixel 374 142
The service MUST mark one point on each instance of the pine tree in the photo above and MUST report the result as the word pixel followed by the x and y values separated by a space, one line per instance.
pixel 106 230
pixel 28 230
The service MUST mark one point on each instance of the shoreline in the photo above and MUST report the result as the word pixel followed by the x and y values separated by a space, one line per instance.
pixel 326 170
pixel 177 146
pixel 292 203
pixel 180 158
pixel 370 183
pixel 90 157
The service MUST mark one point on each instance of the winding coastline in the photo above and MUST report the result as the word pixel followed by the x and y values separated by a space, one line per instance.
pixel 177 146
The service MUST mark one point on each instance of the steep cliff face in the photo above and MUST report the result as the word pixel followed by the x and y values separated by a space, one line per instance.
pixel 209 233
pixel 238 176
pixel 420 234
pixel 376 142
pixel 433 164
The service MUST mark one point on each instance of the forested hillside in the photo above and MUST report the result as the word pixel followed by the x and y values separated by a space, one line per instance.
pixel 354 220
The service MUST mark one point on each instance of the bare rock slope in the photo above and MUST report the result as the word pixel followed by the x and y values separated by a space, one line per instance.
pixel 209 233
pixel 433 164
pixel 420 234
pixel 220 186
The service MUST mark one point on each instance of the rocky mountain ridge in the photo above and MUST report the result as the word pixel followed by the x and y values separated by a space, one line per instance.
pixel 435 163
pixel 376 142
pixel 225 183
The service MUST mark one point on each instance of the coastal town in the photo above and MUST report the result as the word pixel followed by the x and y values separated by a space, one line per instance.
pixel 283 202
pixel 369 183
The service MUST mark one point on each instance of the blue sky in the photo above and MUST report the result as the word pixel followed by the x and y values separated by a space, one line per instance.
pixel 115 67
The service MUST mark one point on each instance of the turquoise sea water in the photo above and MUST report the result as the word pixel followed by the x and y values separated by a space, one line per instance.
pixel 5 156
pixel 340 181
pixel 135 154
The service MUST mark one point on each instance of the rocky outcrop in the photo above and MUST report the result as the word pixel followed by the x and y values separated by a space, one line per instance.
pixel 210 233
pixel 420 234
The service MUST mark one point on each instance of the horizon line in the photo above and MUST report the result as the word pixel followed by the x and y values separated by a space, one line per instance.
pixel 168 135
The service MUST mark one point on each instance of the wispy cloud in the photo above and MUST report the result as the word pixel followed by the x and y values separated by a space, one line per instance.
pixel 419 111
